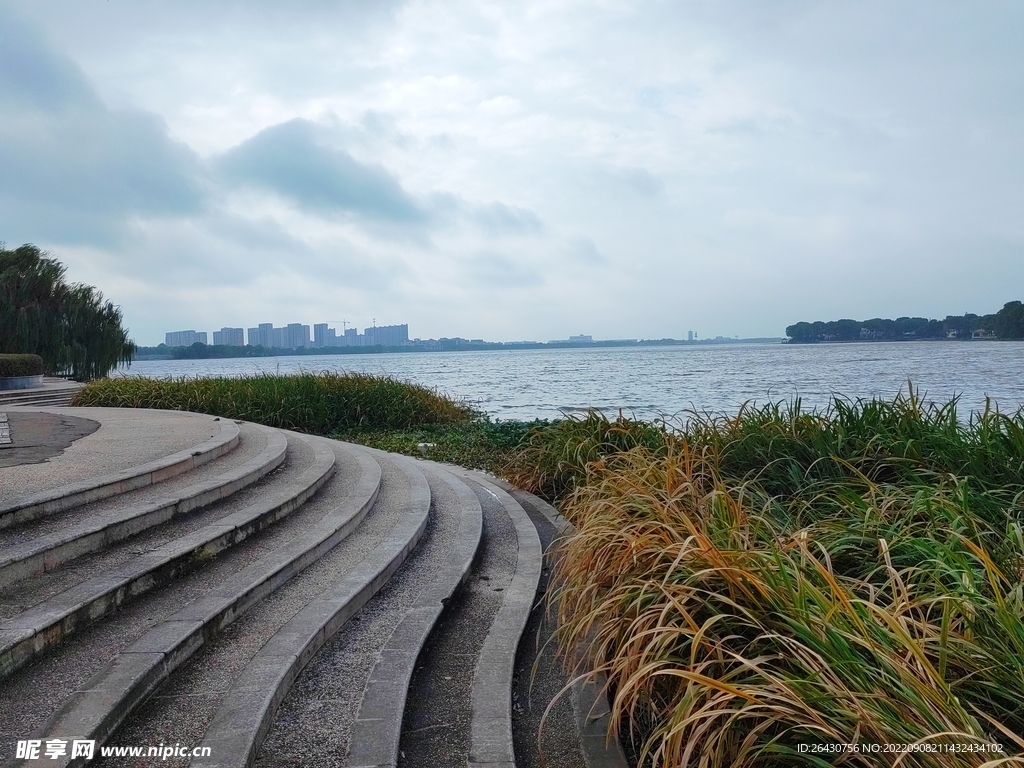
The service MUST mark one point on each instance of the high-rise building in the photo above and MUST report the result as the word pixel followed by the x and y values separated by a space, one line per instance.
pixel 297 336
pixel 324 336
pixel 184 338
pixel 387 335
pixel 231 337
pixel 352 338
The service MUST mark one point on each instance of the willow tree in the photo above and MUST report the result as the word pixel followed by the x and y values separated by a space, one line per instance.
pixel 70 326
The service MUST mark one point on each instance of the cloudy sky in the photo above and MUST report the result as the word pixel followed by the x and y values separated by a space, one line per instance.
pixel 518 170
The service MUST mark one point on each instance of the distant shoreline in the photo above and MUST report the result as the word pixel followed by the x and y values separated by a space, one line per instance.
pixel 215 352
pixel 815 342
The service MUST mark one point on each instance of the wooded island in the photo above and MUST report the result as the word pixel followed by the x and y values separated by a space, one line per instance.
pixel 1007 323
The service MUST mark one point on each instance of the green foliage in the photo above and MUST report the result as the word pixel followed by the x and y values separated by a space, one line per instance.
pixel 480 444
pixel 71 327
pixel 790 451
pixel 1009 323
pixel 907 328
pixel 20 365
pixel 317 403
pixel 554 458
pixel 782 577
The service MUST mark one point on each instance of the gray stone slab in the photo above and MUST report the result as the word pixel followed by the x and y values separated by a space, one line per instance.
pixel 48 552
pixel 491 720
pixel 593 722
pixel 301 637
pixel 591 710
pixel 178 637
pixel 99 595
pixel 377 730
pixel 33 438
pixel 82 474
pixel 96 711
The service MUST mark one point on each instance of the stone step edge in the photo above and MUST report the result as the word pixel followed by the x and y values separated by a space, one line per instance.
pixel 490 726
pixel 377 730
pixel 46 553
pixel 247 709
pixel 31 397
pixel 126 682
pixel 589 694
pixel 37 629
pixel 45 391
pixel 91 489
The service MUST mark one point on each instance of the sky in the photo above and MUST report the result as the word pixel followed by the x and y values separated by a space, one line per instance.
pixel 518 171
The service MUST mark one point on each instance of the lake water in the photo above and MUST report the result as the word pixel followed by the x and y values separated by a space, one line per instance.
pixel 664 381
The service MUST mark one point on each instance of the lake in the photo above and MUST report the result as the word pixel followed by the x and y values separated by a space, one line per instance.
pixel 651 382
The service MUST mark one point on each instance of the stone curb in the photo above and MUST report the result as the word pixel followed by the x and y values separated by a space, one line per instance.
pixel 375 738
pixel 39 400
pixel 39 628
pixel 589 698
pixel 47 552
pixel 125 683
pixel 590 706
pixel 247 710
pixel 490 737
pixel 53 392
pixel 37 505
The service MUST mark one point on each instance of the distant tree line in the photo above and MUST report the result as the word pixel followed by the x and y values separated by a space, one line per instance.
pixel 1007 323
pixel 70 326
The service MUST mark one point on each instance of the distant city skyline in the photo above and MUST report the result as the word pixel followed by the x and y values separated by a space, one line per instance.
pixel 294 336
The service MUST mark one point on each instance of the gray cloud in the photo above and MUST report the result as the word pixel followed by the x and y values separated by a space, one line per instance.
pixel 741 163
pixel 289 160
pixel 34 75
pixel 498 219
pixel 72 170
pixel 583 250
pixel 496 270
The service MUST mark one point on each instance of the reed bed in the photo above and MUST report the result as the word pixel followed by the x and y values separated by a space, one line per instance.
pixel 763 586
pixel 552 460
pixel 315 403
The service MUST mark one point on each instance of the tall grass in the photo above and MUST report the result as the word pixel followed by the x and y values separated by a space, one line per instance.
pixel 782 578
pixel 553 458
pixel 317 403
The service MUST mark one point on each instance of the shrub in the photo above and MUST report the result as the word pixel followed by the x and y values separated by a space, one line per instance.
pixel 781 578
pixel 20 365
pixel 317 403
pixel 553 458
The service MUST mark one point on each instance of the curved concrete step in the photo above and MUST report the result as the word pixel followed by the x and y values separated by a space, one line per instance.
pixel 569 731
pixel 377 730
pixel 104 527
pixel 43 626
pixel 249 706
pixel 316 722
pixel 30 697
pixel 121 685
pixel 28 593
pixel 54 391
pixel 54 399
pixel 490 728
pixel 31 506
